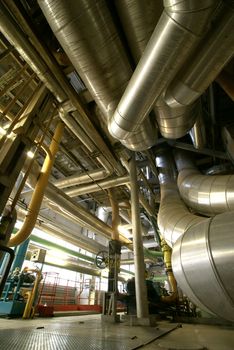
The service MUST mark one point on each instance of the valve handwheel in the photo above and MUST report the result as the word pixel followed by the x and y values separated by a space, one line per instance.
pixel 102 259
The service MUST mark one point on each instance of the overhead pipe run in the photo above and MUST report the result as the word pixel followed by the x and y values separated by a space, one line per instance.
pixel 98 186
pixel 205 194
pixel 102 64
pixel 211 56
pixel 177 33
pixel 80 179
pixel 38 194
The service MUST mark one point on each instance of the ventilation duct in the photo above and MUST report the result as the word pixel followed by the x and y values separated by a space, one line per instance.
pixel 87 33
pixel 203 264
pixel 202 258
pixel 175 36
pixel 173 216
pixel 102 63
pixel 208 195
pixel 211 56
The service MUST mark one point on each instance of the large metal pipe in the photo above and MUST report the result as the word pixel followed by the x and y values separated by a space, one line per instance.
pixel 87 33
pixel 37 197
pixel 203 264
pixel 174 217
pixel 211 56
pixel 208 195
pixel 78 179
pixel 98 186
pixel 175 36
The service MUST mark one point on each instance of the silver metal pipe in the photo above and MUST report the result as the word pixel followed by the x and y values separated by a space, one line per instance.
pixel 140 286
pixel 176 34
pixel 79 179
pixel 208 195
pixel 138 18
pixel 87 33
pixel 210 58
pixel 198 133
pixel 203 264
pixel 174 217
pixel 98 186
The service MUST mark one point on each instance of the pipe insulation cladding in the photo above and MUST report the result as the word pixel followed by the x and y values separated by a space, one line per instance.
pixel 203 264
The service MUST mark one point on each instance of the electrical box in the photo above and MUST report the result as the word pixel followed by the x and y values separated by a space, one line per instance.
pixel 38 255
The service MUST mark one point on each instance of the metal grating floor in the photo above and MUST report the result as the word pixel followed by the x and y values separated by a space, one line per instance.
pixel 80 335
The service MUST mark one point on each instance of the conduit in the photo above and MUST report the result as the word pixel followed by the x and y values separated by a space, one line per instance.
pixel 37 197
pixel 208 195
pixel 203 255
pixel 173 216
pixel 177 33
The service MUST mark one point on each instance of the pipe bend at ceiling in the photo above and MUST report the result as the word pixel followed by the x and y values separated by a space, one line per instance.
pixel 172 41
pixel 206 194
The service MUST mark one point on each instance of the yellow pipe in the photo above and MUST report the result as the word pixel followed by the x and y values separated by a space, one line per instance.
pixel 29 310
pixel 171 279
pixel 37 197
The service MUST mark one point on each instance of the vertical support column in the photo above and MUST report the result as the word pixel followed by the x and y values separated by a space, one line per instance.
pixel 140 285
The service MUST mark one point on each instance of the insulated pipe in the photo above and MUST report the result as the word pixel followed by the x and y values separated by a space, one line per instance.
pixel 87 33
pixel 211 56
pixel 98 186
pixel 175 36
pixel 37 197
pixel 203 264
pixel 138 19
pixel 208 195
pixel 173 216
pixel 140 286
pixel 78 179
pixel 70 209
pixel 103 65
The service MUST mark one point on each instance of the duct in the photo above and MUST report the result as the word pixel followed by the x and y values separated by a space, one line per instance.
pixel 210 58
pixel 15 36
pixel 173 216
pixel 203 265
pixel 143 138
pixel 176 34
pixel 35 203
pixel 78 179
pixel 102 63
pixel 138 19
pixel 98 186
pixel 198 133
pixel 208 195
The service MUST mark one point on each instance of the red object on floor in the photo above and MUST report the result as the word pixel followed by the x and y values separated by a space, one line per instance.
pixel 45 311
